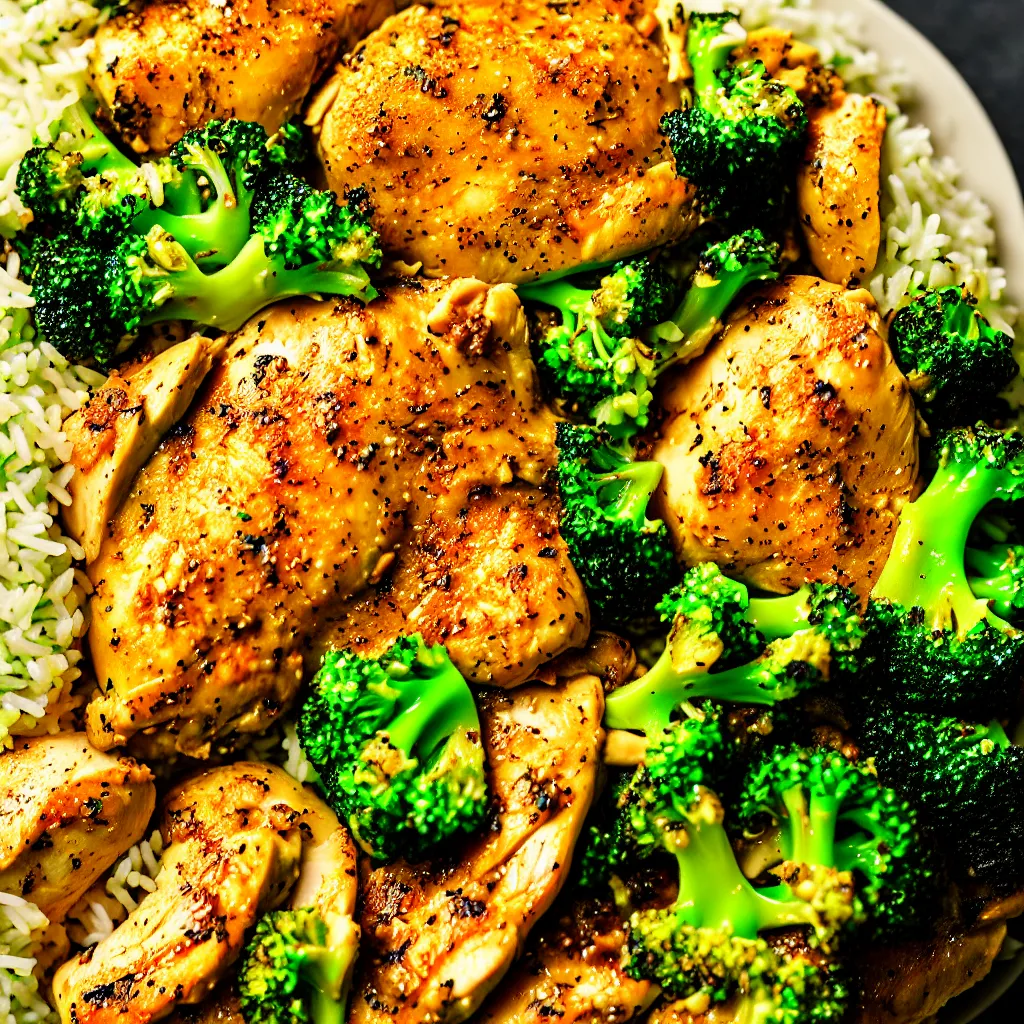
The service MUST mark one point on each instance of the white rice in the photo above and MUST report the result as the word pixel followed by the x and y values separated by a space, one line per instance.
pixel 21 923
pixel 128 883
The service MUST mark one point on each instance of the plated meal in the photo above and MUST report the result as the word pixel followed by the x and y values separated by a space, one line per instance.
pixel 514 512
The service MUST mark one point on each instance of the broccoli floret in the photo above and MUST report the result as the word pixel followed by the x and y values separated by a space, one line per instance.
pixel 835 812
pixel 623 558
pixel 709 940
pixel 212 233
pixel 396 743
pixel 946 650
pixel 149 278
pixel 613 343
pixel 716 650
pixel 739 141
pixel 294 971
pixel 997 576
pixel 968 781
pixel 956 362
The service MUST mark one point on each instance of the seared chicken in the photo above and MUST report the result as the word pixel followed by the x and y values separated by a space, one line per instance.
pixel 506 141
pixel 161 67
pixel 67 812
pixel 439 936
pixel 344 473
pixel 790 446
pixel 235 837
pixel 572 972
pixel 909 983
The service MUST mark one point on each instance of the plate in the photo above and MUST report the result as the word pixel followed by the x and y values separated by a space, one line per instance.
pixel 961 129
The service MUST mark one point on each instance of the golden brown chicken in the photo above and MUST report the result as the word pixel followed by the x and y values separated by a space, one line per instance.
pixel 790 446
pixel 67 812
pixel 236 837
pixel 505 141
pixel 344 473
pixel 437 937
pixel 161 67
pixel 572 972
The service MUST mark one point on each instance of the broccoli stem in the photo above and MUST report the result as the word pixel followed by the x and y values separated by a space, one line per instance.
pixel 228 297
pixel 638 481
pixel 810 835
pixel 926 567
pixel 779 617
pixel 994 582
pixel 99 154
pixel 708 49
pixel 713 892
pixel 648 703
pixel 325 973
pixel 430 709
pixel 561 295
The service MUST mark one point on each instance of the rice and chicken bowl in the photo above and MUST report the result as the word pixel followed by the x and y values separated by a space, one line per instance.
pixel 518 519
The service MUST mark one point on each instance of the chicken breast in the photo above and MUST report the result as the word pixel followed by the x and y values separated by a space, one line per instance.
pixel 839 186
pixel 343 474
pixel 439 936
pixel 161 67
pixel 790 446
pixel 67 813
pixel 571 971
pixel 506 141
pixel 235 839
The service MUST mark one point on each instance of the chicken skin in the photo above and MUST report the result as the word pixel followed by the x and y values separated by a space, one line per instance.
pixel 236 839
pixel 506 141
pixel 161 67
pixel 344 474
pixel 437 937
pixel 67 813
pixel 790 446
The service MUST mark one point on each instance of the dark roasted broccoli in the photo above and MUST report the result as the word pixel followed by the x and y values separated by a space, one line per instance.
pixel 624 559
pixel 740 140
pixel 946 651
pixel 831 811
pixel 956 362
pixel 396 743
pixel 968 781
pixel 716 649
pixel 710 940
pixel 613 343
pixel 294 971
pixel 212 234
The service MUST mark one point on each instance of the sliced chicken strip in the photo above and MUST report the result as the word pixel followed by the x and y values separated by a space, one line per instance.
pixel 235 837
pixel 439 936
pixel 67 812
pixel 571 972
pixel 164 66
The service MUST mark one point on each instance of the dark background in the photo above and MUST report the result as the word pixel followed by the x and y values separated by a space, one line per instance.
pixel 985 40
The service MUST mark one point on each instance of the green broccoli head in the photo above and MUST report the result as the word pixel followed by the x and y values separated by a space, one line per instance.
pixel 944 648
pixel 716 650
pixel 997 576
pixel 637 293
pixel 833 812
pixel 396 743
pixel 711 938
pixel 623 558
pixel 967 781
pixel 956 362
pixel 739 141
pixel 294 971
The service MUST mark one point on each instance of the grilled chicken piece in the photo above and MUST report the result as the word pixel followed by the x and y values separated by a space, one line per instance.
pixel 162 67
pixel 68 813
pixel 235 838
pixel 344 473
pixel 839 186
pixel 572 972
pixel 439 936
pixel 790 446
pixel 506 141
pixel 122 429
pixel 910 983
